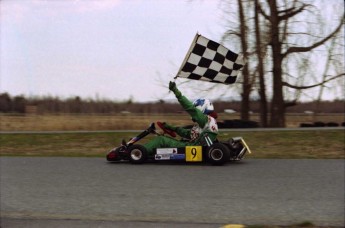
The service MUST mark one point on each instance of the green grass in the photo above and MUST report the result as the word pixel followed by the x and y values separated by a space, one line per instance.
pixel 315 144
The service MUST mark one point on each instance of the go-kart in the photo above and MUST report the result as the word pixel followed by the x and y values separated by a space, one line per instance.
pixel 215 153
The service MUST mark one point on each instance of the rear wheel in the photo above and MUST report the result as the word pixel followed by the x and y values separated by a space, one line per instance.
pixel 137 154
pixel 218 154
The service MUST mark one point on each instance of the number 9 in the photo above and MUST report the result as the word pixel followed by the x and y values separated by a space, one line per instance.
pixel 194 152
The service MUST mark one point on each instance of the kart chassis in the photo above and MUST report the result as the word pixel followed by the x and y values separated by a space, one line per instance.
pixel 216 153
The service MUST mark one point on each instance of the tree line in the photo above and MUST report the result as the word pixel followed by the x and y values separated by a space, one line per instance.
pixel 56 105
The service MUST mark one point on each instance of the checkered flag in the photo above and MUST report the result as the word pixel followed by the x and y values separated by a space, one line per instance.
pixel 210 61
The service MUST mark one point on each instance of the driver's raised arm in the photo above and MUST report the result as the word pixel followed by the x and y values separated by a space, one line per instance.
pixel 187 105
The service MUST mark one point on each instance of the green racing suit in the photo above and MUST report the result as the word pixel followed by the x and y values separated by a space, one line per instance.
pixel 203 124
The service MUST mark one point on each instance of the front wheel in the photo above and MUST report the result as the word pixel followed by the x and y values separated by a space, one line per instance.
pixel 218 154
pixel 137 154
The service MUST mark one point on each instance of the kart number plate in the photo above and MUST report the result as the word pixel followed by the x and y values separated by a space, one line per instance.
pixel 193 153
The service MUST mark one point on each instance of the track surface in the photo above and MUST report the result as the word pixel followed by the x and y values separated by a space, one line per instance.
pixel 42 192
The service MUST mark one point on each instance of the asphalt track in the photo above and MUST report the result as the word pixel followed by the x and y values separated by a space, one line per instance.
pixel 89 192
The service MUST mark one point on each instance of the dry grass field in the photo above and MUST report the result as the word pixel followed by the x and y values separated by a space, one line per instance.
pixel 84 122
pixel 69 122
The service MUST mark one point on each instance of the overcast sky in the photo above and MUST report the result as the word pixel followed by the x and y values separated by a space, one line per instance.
pixel 113 49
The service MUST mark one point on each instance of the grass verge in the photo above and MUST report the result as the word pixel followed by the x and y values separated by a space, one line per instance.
pixel 318 144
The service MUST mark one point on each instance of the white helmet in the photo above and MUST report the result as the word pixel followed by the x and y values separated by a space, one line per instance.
pixel 204 105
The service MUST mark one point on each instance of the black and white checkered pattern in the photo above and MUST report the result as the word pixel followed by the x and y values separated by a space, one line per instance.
pixel 210 61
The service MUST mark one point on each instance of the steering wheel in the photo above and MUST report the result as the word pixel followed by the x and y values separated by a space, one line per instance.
pixel 165 130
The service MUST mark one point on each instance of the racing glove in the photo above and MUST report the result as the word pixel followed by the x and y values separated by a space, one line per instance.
pixel 173 88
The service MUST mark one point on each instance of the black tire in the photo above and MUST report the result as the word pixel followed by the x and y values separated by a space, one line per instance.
pixel 218 154
pixel 137 154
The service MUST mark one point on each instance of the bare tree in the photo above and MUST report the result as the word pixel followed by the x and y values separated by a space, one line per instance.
pixel 278 18
pixel 260 67
pixel 246 86
pixel 241 34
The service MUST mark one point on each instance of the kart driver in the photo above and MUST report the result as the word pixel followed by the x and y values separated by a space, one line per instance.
pixel 203 116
